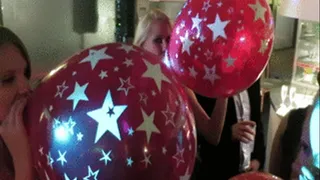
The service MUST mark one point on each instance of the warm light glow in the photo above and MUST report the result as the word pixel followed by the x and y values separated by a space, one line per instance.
pixel 301 9
pixel 53 72
pixel 145 149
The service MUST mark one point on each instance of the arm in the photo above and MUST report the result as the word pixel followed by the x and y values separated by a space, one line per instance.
pixel 210 128
pixel 258 153
pixel 23 167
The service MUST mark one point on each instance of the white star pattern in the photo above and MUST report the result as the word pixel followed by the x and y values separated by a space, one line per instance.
pixel 91 174
pixel 67 178
pixel 62 157
pixel 130 131
pixel 60 89
pixel 95 56
pixel 148 125
pixel 186 176
pixel 186 43
pixel 79 136
pixel 164 150
pixel 219 4
pixel 196 23
pixel 154 72
pixel 127 48
pixel 217 28
pixel 206 5
pixel 146 160
pixel 263 47
pixel 129 161
pixel 103 74
pixel 230 61
pixel 41 150
pixel 179 156
pixel 143 98
pixel 78 94
pixel 105 157
pixel 125 85
pixel 128 62
pixel 169 116
pixel 70 125
pixel 259 11
pixel 208 54
pixel 116 69
pixel 45 114
pixel 202 38
pixel 50 160
pixel 107 121
pixel 46 174
pixel 211 74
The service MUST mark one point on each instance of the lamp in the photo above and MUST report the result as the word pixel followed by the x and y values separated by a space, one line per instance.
pixel 301 9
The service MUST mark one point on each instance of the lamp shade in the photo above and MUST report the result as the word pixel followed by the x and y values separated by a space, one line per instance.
pixel 301 9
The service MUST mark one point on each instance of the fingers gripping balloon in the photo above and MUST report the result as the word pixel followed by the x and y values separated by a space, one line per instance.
pixel 219 48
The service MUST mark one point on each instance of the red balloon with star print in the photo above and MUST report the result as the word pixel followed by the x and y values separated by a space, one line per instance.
pixel 255 175
pixel 111 111
pixel 219 48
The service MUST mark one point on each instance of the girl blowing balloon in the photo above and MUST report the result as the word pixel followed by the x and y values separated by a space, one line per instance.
pixel 15 157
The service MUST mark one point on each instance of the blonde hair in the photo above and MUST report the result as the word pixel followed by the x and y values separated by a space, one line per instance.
pixel 144 25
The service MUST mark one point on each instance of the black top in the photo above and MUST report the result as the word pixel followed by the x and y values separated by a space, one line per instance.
pixel 222 161
pixel 290 141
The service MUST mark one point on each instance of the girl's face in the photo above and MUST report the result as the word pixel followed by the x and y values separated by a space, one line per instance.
pixel 158 38
pixel 307 162
pixel 13 82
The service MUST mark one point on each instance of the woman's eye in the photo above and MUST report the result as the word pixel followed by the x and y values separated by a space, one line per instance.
pixel 158 40
pixel 8 80
pixel 168 40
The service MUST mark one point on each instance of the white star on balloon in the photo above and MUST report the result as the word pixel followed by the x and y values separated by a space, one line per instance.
pixel 105 157
pixel 129 161
pixel 211 74
pixel 41 150
pixel 78 94
pixel 193 72
pixel 91 174
pixel 186 43
pixel 125 85
pixel 196 22
pixel 217 28
pixel 69 125
pixel 127 48
pixel 186 176
pixel 263 47
pixel 202 38
pixel 107 122
pixel 169 116
pixel 103 74
pixel 60 89
pixel 259 11
pixel 208 54
pixel 67 178
pixel 148 125
pixel 206 5
pixel 230 61
pixel 46 174
pixel 146 160
pixel 45 114
pixel 128 62
pixel 154 72
pixel 95 56
pixel 130 131
pixel 179 156
pixel 143 98
pixel 164 150
pixel 50 160
pixel 79 136
pixel 62 157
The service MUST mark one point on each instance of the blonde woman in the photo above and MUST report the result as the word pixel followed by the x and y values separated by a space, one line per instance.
pixel 153 34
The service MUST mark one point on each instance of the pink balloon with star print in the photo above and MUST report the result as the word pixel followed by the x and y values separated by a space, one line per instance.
pixel 111 111
pixel 219 48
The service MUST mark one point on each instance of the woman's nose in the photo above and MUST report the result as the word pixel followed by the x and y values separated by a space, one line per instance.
pixel 24 87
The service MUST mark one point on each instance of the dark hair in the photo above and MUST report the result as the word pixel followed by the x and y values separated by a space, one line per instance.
pixel 7 36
